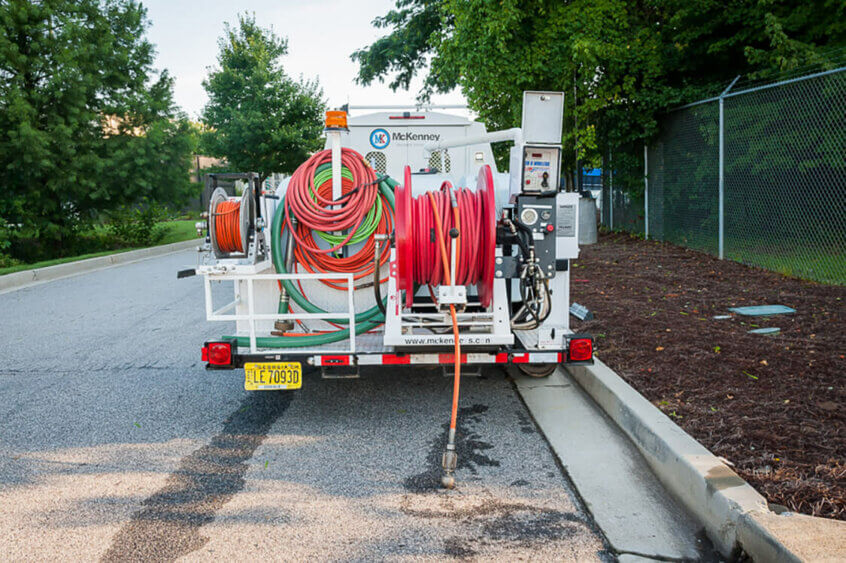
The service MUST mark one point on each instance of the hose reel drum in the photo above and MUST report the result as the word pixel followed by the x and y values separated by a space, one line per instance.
pixel 230 229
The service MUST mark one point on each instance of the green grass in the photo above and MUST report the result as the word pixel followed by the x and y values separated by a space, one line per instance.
pixel 177 232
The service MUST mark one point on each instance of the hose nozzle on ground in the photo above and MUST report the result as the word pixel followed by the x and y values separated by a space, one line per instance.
pixel 449 462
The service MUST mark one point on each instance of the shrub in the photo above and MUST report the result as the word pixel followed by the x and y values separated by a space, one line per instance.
pixel 138 226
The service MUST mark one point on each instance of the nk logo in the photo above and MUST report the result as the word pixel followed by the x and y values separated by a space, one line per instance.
pixel 379 138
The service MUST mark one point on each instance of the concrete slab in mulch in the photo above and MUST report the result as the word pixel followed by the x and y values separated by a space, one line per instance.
pixel 765 331
pixel 762 310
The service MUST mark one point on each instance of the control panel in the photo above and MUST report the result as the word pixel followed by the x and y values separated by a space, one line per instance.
pixel 540 169
pixel 538 214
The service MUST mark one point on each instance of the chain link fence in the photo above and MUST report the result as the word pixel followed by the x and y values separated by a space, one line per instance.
pixel 623 190
pixel 783 183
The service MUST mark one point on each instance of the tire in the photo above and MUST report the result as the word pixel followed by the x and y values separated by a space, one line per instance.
pixel 537 370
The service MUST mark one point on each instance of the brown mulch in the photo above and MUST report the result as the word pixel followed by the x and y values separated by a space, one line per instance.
pixel 773 406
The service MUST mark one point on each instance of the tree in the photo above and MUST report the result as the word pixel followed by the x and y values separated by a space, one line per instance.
pixel 620 63
pixel 85 124
pixel 260 119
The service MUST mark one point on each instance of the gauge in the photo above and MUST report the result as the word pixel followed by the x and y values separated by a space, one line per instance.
pixel 528 216
pixel 545 215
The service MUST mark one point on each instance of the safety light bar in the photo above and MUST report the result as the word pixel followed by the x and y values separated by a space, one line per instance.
pixel 336 119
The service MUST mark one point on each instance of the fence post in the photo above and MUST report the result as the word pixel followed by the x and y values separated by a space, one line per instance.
pixel 645 191
pixel 610 191
pixel 721 205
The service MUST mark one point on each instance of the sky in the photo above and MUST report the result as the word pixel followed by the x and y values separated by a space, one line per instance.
pixel 321 36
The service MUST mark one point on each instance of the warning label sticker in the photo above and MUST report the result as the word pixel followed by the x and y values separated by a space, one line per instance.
pixel 566 220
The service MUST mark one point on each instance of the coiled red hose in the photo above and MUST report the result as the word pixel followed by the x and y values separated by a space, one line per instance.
pixel 473 213
pixel 428 263
pixel 316 211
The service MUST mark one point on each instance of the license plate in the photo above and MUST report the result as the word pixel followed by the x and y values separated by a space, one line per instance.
pixel 268 376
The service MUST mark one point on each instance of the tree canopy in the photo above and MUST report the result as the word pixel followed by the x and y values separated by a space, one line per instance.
pixel 86 125
pixel 619 62
pixel 260 119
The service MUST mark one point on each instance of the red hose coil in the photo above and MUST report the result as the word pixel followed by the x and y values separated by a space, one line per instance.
pixel 419 256
pixel 315 210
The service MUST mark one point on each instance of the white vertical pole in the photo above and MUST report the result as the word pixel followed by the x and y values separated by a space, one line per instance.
pixel 646 191
pixel 721 182
pixel 251 309
pixel 351 305
pixel 335 140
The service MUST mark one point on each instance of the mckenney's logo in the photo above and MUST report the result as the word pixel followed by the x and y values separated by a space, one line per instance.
pixel 380 138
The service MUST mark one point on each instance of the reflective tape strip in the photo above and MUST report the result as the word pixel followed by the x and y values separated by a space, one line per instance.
pixel 438 359
pixel 545 357
pixel 520 358
pixel 393 359
pixel 537 358
pixel 450 358
pixel 370 360
pixel 332 360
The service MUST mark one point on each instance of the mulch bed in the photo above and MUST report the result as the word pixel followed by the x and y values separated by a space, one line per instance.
pixel 773 406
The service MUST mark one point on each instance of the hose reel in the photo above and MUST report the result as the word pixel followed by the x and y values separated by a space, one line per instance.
pixel 231 221
pixel 473 214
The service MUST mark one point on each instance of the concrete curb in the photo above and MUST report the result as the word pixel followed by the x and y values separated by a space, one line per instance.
pixel 26 278
pixel 735 516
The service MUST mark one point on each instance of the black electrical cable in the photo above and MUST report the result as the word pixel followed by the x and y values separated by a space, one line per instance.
pixel 377 288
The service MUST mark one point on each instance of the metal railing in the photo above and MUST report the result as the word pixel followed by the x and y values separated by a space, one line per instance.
pixel 251 315
pixel 756 175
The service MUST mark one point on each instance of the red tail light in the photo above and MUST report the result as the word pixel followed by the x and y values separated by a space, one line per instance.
pixel 218 353
pixel 581 349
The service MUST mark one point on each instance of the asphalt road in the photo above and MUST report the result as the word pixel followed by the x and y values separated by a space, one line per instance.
pixel 116 444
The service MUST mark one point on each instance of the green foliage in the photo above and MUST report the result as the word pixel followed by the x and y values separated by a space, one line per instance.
pixel 620 63
pixel 85 125
pixel 258 118
pixel 404 51
pixel 137 226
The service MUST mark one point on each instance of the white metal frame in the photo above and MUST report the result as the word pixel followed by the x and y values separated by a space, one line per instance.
pixel 251 317
pixel 400 325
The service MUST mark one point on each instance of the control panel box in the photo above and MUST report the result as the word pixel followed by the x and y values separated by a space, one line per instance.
pixel 541 165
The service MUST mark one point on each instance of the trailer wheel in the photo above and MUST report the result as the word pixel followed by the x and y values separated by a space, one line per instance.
pixel 537 370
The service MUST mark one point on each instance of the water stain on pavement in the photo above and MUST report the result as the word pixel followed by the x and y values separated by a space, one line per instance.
pixel 526 425
pixel 500 523
pixel 167 526
pixel 468 446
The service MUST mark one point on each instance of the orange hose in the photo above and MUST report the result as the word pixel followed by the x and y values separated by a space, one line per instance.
pixel 456 382
pixel 227 225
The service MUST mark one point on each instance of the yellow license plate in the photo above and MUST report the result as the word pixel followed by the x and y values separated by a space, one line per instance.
pixel 268 376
